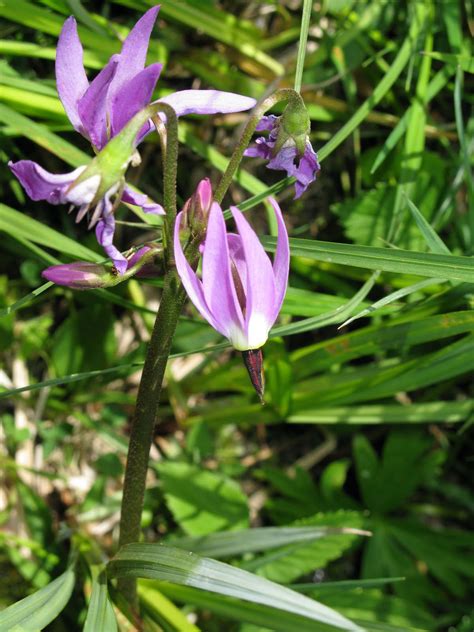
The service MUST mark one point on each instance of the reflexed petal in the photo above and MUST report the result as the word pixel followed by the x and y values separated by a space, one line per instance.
pixel 281 261
pixel 261 149
pixel 267 123
pixel 133 96
pixel 260 290
pixel 219 289
pixel 71 79
pixel 40 184
pixel 307 170
pixel 92 106
pixel 133 53
pixel 207 102
pixel 130 196
pixel 105 234
pixel 189 278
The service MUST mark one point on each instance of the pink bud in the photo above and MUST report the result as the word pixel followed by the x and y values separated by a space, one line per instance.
pixel 196 209
pixel 80 275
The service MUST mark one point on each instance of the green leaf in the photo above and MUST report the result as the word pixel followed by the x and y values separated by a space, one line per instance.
pixel 20 225
pixel 43 137
pixel 395 69
pixel 390 260
pixel 466 62
pixel 429 412
pixel 202 501
pixel 241 611
pixel 232 543
pixel 36 611
pixel 154 561
pixel 84 340
pixel 100 614
pixel 291 561
pixel 434 241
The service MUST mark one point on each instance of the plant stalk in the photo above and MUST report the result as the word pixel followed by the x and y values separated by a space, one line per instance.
pixel 285 94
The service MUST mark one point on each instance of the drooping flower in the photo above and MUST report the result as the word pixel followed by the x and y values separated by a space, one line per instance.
pixel 241 292
pixel 100 111
pixel 286 152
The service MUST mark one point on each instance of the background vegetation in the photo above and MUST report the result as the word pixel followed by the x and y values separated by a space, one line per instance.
pixel 365 427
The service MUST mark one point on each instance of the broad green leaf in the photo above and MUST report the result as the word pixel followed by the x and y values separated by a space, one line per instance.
pixel 154 561
pixel 100 614
pixel 202 501
pixel 36 611
pixel 233 543
pixel 291 561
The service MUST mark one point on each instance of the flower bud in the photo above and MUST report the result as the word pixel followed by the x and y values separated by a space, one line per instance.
pixel 80 275
pixel 294 124
pixel 197 207
pixel 83 275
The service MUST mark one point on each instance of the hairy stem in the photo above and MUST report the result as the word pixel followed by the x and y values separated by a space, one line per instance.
pixel 143 423
pixel 158 351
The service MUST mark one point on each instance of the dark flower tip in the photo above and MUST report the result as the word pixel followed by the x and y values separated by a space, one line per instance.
pixel 253 360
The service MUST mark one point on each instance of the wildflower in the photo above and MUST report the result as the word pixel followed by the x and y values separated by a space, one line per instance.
pixel 83 275
pixel 100 111
pixel 287 146
pixel 240 293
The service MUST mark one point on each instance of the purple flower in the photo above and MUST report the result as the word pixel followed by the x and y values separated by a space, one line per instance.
pixel 241 292
pixel 39 184
pixel 99 111
pixel 287 157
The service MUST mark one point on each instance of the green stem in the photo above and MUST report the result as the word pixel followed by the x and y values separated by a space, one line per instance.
pixel 143 423
pixel 285 94
pixel 305 18
pixel 158 351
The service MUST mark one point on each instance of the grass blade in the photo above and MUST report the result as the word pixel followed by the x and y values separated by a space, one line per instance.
pixel 154 561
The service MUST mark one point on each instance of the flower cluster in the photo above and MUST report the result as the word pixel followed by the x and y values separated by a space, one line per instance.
pixel 286 151
pixel 100 110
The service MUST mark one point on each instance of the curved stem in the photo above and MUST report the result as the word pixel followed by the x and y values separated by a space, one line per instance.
pixel 286 94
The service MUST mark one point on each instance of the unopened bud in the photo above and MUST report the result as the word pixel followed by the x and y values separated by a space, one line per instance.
pixel 295 124
pixel 83 275
pixel 80 275
pixel 196 209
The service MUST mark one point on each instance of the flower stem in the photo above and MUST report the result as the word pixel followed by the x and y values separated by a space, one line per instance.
pixel 305 18
pixel 149 390
pixel 284 94
pixel 143 423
